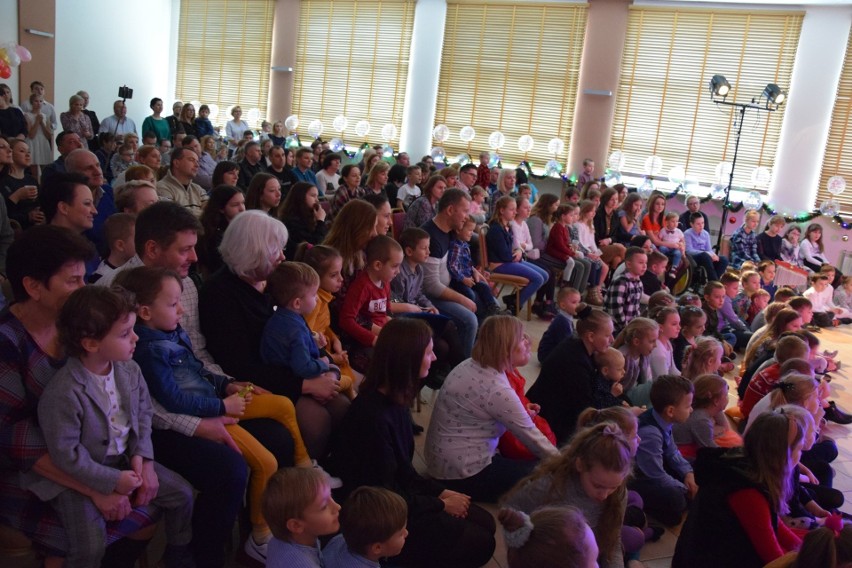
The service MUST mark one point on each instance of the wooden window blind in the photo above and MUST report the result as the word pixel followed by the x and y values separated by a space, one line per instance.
pixel 511 68
pixel 663 104
pixel 352 60
pixel 838 150
pixel 224 53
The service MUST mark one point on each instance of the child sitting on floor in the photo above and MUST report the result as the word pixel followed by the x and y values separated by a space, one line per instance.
pixel 664 478
pixel 692 322
pixel 762 382
pixel 707 426
pixel 373 526
pixel 750 281
pixel 509 445
pixel 299 508
pixel 759 301
pixel 562 326
pixel 766 269
pixel 703 358
pixel 636 343
pixel 662 357
pixel 550 536
pixel 95 415
pixel 826 314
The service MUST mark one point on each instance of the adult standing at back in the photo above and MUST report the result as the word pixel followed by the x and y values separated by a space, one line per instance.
pixel 177 184
pixel 75 120
pixel 93 118
pixel 37 88
pixel 156 123
pixel 235 128
pixel 453 209
pixel 118 124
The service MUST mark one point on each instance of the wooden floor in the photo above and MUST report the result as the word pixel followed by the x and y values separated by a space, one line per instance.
pixel 654 555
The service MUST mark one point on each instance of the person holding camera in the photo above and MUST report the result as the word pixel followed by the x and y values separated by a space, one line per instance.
pixel 119 123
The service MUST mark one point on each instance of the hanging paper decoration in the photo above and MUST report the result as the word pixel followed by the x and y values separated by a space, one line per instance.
pixel 526 143
pixel 389 132
pixel 496 140
pixel 339 123
pixel 441 133
pixel 362 128
pixel 653 165
pixel 617 160
pixel 467 134
pixel 555 146
pixel 836 185
pixel 315 128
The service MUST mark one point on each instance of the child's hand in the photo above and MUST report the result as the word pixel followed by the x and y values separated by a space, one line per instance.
pixel 339 359
pixel 617 389
pixel 320 340
pixel 128 481
pixel 336 346
pixel 469 282
pixel 533 409
pixel 235 405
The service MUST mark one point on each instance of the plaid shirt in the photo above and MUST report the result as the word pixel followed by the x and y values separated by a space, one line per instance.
pixel 743 247
pixel 623 299
pixel 459 262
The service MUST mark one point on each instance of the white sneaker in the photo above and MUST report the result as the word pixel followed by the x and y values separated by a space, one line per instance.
pixel 333 482
pixel 254 550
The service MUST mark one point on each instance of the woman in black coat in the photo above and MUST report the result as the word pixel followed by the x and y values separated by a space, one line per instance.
pixel 304 217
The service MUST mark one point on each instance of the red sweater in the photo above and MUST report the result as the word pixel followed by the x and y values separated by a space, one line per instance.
pixel 752 510
pixel 759 386
pixel 365 305
pixel 558 243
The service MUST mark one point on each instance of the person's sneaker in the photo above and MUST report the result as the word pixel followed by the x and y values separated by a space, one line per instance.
pixel 836 415
pixel 255 551
pixel 333 482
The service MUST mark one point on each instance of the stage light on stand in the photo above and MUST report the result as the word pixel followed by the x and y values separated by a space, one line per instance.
pixel 719 87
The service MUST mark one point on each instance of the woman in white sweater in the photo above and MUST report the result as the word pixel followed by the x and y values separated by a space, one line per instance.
pixel 475 407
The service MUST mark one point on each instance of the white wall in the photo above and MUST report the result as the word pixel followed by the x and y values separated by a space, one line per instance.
pixel 104 44
pixel 9 32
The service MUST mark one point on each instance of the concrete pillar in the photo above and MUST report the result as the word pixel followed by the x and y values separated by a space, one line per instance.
pixel 285 37
pixel 812 93
pixel 424 68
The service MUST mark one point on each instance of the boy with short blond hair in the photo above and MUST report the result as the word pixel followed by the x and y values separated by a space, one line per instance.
pixel 298 507
pixel 411 190
pixel 675 246
pixel 373 526
pixel 465 278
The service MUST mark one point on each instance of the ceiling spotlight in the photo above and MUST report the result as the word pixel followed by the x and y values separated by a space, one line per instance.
pixel 719 86
pixel 774 95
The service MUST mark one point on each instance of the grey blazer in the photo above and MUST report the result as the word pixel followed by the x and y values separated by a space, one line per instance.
pixel 73 419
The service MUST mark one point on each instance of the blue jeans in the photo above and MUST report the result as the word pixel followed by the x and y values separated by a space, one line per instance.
pixel 674 254
pixel 536 275
pixel 464 319
pixel 480 293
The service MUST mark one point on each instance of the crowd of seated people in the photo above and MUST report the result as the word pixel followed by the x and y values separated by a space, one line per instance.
pixel 228 317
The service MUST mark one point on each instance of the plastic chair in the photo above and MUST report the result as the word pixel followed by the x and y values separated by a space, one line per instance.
pixel 516 283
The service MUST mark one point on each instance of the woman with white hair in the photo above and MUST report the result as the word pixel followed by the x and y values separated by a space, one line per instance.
pixel 234 310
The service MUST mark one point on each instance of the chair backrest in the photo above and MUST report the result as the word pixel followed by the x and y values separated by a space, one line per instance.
pixel 483 247
pixel 398 223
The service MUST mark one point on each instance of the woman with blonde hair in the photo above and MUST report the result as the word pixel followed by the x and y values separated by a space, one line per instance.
pixel 371 158
pixel 591 474
pixel 377 178
pixel 475 406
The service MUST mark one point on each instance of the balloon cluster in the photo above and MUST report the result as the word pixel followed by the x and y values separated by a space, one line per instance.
pixel 12 55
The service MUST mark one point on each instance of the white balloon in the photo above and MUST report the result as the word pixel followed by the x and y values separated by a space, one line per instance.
pixel 677 175
pixel 467 133
pixel 753 200
pixel 653 165
pixel 441 133
pixel 526 143
pixel 617 160
pixel 553 168
pixel 463 159
pixel 723 172
pixel 336 144
pixel 836 185
pixel 315 128
pixel 646 188
pixel 291 123
pixel 556 146
pixel 362 128
pixel 496 140
pixel 254 115
pixel 437 154
pixel 196 105
pixel 339 123
pixel 214 111
pixel 717 191
pixel 761 176
pixel 829 208
pixel 389 132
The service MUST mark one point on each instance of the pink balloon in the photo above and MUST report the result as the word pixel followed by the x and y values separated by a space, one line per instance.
pixel 24 54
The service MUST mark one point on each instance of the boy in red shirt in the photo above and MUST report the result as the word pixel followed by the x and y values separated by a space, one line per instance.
pixel 367 305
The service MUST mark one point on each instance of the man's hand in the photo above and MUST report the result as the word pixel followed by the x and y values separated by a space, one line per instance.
pixel 214 429
pixel 150 485
pixel 113 507
pixel 691 486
